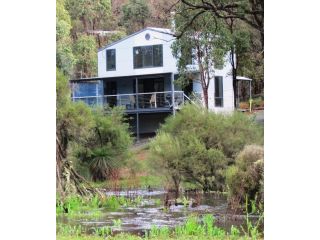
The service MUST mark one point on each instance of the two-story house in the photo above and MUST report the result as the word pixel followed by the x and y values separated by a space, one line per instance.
pixel 138 72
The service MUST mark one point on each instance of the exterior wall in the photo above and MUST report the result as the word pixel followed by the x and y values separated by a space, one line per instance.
pixel 124 55
pixel 228 105
pixel 228 97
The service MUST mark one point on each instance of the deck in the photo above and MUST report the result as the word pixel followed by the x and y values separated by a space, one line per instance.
pixel 133 103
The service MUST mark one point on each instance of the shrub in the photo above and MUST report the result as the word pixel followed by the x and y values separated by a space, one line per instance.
pixel 245 178
pixel 197 145
pixel 107 147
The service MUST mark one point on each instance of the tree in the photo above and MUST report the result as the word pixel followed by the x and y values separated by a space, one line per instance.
pixel 168 153
pixel 134 15
pixel 206 40
pixel 244 21
pixel 86 53
pixel 73 124
pixel 64 55
pixel 92 14
pixel 250 12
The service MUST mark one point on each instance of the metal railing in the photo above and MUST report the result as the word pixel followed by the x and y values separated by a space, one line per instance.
pixel 132 101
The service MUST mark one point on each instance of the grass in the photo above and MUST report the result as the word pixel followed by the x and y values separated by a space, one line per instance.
pixel 78 207
pixel 133 237
pixel 194 228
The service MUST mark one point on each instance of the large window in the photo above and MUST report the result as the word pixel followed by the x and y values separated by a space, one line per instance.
pixel 111 59
pixel 218 91
pixel 147 56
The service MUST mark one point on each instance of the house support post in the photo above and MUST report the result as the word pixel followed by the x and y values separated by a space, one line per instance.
pixel 137 94
pixel 172 95
pixel 250 100
pixel 137 127
pixel 238 86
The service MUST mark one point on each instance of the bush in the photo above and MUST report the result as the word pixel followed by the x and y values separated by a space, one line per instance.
pixel 245 178
pixel 197 145
pixel 106 149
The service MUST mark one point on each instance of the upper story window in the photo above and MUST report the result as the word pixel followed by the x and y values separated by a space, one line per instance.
pixel 147 56
pixel 218 91
pixel 111 59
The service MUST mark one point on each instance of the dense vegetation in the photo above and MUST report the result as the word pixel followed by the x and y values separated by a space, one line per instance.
pixel 198 146
pixel 87 137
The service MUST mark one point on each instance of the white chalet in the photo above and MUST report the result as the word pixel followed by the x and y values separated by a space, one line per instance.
pixel 138 73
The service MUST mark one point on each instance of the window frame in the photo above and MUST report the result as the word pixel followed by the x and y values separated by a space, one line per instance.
pixel 142 49
pixel 115 60
pixel 220 97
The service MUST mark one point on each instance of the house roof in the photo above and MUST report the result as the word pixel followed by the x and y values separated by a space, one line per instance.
pixel 160 30
pixel 240 78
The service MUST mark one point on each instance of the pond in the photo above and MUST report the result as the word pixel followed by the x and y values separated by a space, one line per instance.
pixel 151 211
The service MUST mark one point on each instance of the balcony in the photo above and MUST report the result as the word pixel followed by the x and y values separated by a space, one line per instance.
pixel 138 102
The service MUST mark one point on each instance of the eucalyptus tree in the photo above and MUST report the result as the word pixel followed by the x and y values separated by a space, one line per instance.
pixel 134 15
pixel 85 50
pixel 89 14
pixel 205 41
pixel 64 55
pixel 251 12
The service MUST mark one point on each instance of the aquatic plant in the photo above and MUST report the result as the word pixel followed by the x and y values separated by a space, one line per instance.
pixel 157 202
pixel 69 230
pixel 158 232
pixel 252 229
pixel 103 231
pixel 117 223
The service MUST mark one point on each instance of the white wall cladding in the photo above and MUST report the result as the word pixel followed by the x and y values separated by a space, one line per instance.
pixel 124 55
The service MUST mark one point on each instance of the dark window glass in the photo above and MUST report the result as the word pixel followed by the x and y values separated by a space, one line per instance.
pixel 218 91
pixel 111 59
pixel 190 57
pixel 137 57
pixel 147 56
pixel 157 55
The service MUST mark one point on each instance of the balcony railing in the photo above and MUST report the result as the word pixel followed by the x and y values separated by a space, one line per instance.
pixel 134 101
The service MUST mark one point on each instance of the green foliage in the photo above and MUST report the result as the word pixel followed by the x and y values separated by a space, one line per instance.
pixel 93 14
pixel 205 42
pixel 64 55
pixel 194 228
pixel 197 145
pixel 85 49
pixel 103 231
pixel 245 178
pixel 117 223
pixel 107 148
pixel 69 230
pixel 134 15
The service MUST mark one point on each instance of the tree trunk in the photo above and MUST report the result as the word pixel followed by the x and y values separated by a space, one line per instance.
pixel 68 181
pixel 205 97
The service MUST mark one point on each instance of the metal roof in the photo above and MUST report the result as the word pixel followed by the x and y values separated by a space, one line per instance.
pixel 140 76
pixel 243 78
pixel 160 30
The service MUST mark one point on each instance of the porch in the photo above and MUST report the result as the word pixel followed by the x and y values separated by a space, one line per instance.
pixel 138 102
pixel 143 93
